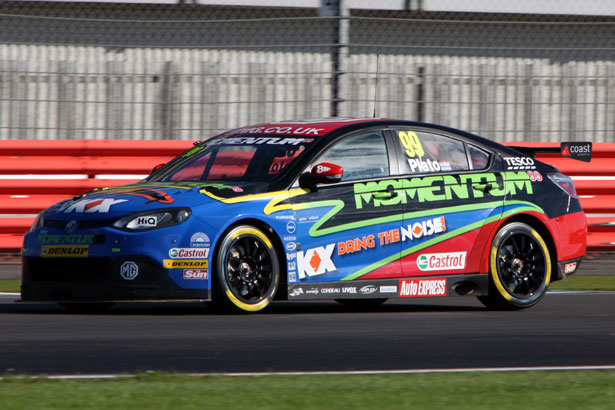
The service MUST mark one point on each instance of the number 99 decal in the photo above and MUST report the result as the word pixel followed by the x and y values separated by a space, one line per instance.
pixel 411 143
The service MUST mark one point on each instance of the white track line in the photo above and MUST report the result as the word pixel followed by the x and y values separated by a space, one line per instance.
pixel 348 373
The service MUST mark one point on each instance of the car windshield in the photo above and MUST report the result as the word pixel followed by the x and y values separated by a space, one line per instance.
pixel 239 159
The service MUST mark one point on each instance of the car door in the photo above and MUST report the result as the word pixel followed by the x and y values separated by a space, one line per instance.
pixel 449 197
pixel 344 230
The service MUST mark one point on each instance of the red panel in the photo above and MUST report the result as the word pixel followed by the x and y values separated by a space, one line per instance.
pixel 28 204
pixel 10 243
pixel 68 187
pixel 598 204
pixel 602 224
pixel 15 225
pixel 600 241
pixel 79 165
pixel 595 187
pixel 93 148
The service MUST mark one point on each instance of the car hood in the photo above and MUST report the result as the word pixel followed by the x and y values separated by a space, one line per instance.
pixel 117 201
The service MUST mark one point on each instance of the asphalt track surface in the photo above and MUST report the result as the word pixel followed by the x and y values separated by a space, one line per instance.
pixel 565 329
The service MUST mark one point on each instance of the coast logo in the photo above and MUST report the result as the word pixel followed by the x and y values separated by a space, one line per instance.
pixel 441 261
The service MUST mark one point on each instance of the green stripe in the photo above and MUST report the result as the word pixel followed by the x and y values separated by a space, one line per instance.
pixel 524 206
pixel 338 205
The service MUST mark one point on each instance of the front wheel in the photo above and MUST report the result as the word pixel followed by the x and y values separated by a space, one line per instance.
pixel 247 270
pixel 520 268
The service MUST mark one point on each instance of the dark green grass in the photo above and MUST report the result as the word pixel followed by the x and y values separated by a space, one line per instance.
pixel 515 390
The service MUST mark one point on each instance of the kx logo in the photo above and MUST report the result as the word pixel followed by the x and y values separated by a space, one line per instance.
pixel 92 205
pixel 317 261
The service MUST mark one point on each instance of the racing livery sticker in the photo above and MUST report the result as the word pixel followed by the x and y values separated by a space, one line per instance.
pixel 196 274
pixel 91 205
pixel 581 151
pixel 409 288
pixel 63 251
pixel 185 263
pixel 73 239
pixel 188 253
pixel 199 240
pixel 441 261
pixel 519 163
pixel 316 261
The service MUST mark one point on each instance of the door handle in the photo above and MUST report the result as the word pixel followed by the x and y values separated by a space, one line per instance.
pixel 384 195
pixel 483 187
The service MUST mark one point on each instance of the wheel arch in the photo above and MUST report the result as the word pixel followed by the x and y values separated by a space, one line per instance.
pixel 282 291
pixel 544 232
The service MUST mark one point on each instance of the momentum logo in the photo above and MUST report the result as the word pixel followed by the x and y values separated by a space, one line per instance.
pixel 441 261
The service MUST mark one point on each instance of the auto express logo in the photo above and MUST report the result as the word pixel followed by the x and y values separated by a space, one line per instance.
pixel 129 270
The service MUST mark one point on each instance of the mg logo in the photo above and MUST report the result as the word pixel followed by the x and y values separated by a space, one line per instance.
pixel 129 270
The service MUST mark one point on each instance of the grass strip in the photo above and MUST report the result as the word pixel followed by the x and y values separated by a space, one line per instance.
pixel 535 390
pixel 602 282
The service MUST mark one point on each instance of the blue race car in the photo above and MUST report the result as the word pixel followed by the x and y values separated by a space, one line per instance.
pixel 355 210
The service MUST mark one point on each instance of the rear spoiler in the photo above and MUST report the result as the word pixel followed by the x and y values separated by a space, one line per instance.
pixel 581 151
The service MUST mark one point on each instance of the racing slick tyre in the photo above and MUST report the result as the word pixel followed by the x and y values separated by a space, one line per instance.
pixel 247 270
pixel 519 266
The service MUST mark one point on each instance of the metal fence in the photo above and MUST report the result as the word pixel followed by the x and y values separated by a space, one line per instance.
pixel 143 71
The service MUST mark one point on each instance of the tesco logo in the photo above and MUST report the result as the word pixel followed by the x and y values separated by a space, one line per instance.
pixel 441 261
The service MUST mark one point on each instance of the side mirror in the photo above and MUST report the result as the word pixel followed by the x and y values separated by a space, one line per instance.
pixel 322 173
pixel 156 168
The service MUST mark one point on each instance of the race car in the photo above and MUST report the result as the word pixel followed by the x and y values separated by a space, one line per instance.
pixel 357 210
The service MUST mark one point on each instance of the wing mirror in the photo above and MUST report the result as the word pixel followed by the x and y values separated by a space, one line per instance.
pixel 322 173
pixel 156 168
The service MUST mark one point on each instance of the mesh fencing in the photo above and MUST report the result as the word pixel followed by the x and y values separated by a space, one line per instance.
pixel 188 71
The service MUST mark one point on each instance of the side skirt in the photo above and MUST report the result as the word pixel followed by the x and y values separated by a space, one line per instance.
pixel 421 286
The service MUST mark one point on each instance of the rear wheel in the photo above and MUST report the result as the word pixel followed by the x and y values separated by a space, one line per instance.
pixel 247 271
pixel 520 268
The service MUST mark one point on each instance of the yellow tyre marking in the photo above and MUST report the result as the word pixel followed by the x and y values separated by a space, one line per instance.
pixel 255 232
pixel 242 305
pixel 494 267
pixel 246 306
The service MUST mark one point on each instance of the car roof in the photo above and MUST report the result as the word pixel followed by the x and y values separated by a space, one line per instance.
pixel 321 127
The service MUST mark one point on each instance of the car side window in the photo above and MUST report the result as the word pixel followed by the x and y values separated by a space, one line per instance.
pixel 479 159
pixel 361 155
pixel 426 153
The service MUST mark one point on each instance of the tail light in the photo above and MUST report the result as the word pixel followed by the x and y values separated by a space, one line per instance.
pixel 565 183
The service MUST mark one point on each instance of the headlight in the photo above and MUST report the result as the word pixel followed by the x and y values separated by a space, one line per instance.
pixel 145 221
pixel 39 221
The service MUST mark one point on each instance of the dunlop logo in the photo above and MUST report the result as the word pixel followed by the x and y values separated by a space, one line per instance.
pixel 185 263
pixel 63 251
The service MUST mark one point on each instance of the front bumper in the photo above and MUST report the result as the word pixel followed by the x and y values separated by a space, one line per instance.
pixel 100 279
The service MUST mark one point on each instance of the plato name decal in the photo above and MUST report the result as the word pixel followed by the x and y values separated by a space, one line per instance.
pixel 412 288
pixel 316 261
pixel 441 261
pixel 91 205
